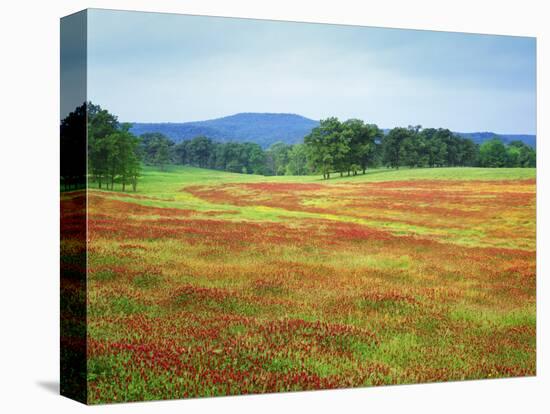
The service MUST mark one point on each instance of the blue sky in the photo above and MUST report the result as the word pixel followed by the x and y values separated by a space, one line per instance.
pixel 154 67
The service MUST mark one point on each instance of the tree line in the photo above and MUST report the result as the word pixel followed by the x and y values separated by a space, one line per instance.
pixel 113 151
pixel 352 146
pixel 95 145
pixel 237 157
pixel 348 147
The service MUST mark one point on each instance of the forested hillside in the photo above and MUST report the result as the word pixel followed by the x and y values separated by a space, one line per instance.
pixel 266 129
pixel 261 128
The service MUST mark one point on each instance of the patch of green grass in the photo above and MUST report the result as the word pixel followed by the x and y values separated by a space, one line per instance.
pixel 127 306
pixel 236 330
pixel 398 350
pixel 490 317
pixel 393 307
pixel 146 281
pixel 282 364
pixel 104 275
pixel 320 367
pixel 167 184
pixel 101 366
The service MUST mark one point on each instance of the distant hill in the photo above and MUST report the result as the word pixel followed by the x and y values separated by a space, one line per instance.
pixel 262 128
pixel 268 128
pixel 480 137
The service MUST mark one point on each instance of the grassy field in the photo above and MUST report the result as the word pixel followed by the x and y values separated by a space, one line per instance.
pixel 208 283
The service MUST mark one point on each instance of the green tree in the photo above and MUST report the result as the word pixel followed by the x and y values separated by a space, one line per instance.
pixel 278 153
pixel 468 152
pixel 101 124
pixel 327 148
pixel 255 158
pixel 366 146
pixel 492 153
pixel 157 149
pixel 181 152
pixel 297 160
pixel 162 155
pixel 414 149
pixel 200 149
pixel 392 144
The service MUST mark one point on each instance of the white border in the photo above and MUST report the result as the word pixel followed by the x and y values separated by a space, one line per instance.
pixel 29 223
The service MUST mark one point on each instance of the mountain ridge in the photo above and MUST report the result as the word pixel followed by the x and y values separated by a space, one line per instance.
pixel 266 128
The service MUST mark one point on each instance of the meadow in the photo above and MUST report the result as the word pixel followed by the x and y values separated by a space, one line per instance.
pixel 206 283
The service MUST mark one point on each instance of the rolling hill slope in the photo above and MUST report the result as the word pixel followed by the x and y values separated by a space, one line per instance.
pixel 261 128
pixel 268 128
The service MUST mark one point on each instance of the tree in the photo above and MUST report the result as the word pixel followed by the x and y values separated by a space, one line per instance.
pixel 492 153
pixel 123 160
pixel 181 152
pixel 297 160
pixel 113 151
pixel 326 147
pixel 521 155
pixel 255 158
pixel 101 124
pixel 278 153
pixel 392 144
pixel 450 145
pixel 162 155
pixel 157 149
pixel 199 150
pixel 366 146
pixel 414 149
pixel 468 152
pixel 133 166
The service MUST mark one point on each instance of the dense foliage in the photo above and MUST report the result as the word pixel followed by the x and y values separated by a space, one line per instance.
pixel 113 152
pixel 346 147
pixel 267 128
pixel 349 147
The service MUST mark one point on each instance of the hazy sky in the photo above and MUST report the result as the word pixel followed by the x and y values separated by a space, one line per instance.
pixel 153 67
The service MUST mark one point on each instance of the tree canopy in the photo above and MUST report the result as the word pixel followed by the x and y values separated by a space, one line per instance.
pixel 113 152
pixel 115 155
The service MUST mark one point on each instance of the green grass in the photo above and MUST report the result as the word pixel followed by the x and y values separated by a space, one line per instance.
pixel 164 184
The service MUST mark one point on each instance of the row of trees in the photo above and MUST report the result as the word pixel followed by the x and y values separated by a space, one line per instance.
pixel 495 154
pixel 113 152
pixel 347 147
pixel 352 146
pixel 115 155
pixel 95 144
pixel 246 158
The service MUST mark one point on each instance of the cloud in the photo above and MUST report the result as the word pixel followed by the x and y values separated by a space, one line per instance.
pixel 161 67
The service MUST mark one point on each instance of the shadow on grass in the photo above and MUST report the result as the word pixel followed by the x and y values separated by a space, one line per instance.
pixel 336 176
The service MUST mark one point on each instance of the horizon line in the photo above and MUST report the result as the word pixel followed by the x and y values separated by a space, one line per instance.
pixel 316 120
